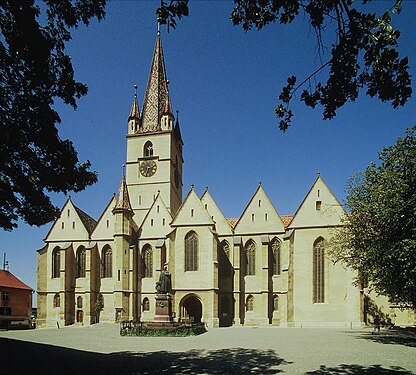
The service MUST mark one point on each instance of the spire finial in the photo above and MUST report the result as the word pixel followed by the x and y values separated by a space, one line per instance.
pixel 135 90
pixel 158 24
pixel 123 167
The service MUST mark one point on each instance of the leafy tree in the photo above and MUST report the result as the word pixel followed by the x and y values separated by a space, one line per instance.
pixel 379 234
pixel 34 72
pixel 363 53
pixel 98 307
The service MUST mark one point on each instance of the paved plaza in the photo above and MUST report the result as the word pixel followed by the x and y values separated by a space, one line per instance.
pixel 99 349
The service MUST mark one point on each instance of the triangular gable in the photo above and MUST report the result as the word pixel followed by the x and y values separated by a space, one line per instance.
pixel 221 224
pixel 320 207
pixel 71 224
pixel 260 216
pixel 156 223
pixel 105 225
pixel 192 212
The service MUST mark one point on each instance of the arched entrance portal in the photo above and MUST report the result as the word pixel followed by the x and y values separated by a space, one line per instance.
pixel 191 309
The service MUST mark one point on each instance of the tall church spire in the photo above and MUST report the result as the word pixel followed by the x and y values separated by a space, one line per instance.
pixel 134 117
pixel 156 92
pixel 123 199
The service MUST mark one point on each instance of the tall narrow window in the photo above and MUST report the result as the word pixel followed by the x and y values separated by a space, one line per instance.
pixel 226 248
pixel 146 304
pixel 79 302
pixel 56 263
pixel 250 303
pixel 191 252
pixel 148 149
pixel 107 262
pixel 275 302
pixel 251 257
pixel 57 300
pixel 81 262
pixel 147 255
pixel 276 250
pixel 318 271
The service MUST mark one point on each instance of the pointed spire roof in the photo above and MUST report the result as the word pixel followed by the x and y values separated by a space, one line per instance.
pixel 123 199
pixel 177 129
pixel 156 94
pixel 135 109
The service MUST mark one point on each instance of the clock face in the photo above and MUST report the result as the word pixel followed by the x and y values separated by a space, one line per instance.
pixel 148 168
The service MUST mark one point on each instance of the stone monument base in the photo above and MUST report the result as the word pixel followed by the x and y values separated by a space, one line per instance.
pixel 163 311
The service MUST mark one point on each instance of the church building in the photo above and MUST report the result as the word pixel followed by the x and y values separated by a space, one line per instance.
pixel 256 270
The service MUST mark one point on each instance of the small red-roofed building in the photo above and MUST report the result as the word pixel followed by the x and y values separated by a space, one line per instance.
pixel 15 301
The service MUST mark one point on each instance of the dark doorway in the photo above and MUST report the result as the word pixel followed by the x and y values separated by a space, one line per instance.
pixel 191 310
pixel 225 314
pixel 80 316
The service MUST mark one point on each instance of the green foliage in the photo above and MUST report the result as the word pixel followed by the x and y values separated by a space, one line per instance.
pixel 34 72
pixel 98 306
pixel 379 236
pixel 180 331
pixel 363 53
pixel 168 12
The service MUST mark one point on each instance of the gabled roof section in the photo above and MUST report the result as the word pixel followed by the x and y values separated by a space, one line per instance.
pixel 156 223
pixel 287 219
pixel 71 224
pixel 87 220
pixel 320 207
pixel 156 92
pixel 105 225
pixel 222 226
pixel 260 216
pixel 232 221
pixel 192 212
pixel 8 280
pixel 123 199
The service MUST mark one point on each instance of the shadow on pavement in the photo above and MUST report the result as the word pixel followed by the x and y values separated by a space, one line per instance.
pixel 22 357
pixel 358 369
pixel 399 336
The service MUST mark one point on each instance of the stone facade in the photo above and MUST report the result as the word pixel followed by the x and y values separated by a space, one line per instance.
pixel 259 269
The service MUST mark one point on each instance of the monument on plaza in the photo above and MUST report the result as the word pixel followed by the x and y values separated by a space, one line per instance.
pixel 163 299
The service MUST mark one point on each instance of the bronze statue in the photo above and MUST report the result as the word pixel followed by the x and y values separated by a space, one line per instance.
pixel 164 285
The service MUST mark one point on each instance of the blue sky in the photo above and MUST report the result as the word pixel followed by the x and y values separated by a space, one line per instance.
pixel 225 84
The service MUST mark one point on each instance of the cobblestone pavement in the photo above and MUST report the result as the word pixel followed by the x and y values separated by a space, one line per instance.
pixel 99 349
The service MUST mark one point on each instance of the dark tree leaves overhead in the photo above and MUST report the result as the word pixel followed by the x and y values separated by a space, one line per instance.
pixel 379 234
pixel 34 72
pixel 363 54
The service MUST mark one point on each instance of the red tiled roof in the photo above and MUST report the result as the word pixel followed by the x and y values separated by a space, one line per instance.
pixel 233 221
pixel 287 219
pixel 10 281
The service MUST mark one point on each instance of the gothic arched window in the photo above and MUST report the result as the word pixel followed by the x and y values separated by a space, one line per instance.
pixel 107 262
pixel 191 252
pixel 148 149
pixel 81 262
pixel 250 303
pixel 146 304
pixel 147 256
pixel 79 302
pixel 275 302
pixel 318 271
pixel 226 248
pixel 276 249
pixel 251 257
pixel 56 263
pixel 57 300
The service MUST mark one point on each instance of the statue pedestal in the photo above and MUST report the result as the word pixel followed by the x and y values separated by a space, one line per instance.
pixel 163 311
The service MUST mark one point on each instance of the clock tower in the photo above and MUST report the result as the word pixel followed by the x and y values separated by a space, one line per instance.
pixel 154 145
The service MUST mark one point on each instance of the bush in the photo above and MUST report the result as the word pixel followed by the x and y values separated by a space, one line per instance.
pixel 179 331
